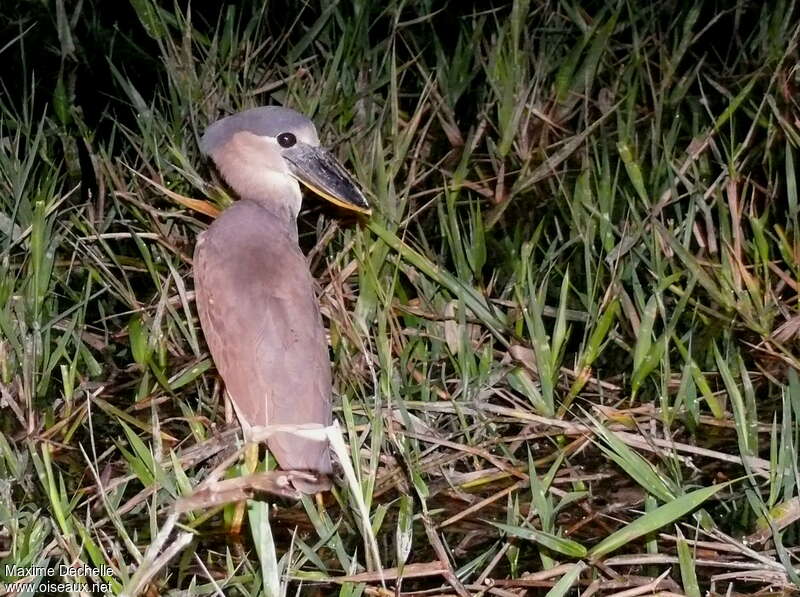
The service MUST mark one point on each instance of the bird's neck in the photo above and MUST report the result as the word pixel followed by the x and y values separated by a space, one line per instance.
pixel 277 194
pixel 265 184
pixel 281 212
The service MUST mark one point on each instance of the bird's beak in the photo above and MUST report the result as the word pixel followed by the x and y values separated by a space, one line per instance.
pixel 322 173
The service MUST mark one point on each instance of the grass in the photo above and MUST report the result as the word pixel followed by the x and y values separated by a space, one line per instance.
pixel 565 346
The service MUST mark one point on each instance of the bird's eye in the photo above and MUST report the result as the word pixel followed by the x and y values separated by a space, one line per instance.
pixel 286 139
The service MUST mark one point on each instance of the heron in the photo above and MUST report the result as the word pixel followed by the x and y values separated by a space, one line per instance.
pixel 254 291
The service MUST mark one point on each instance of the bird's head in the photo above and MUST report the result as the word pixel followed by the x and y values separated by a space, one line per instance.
pixel 264 152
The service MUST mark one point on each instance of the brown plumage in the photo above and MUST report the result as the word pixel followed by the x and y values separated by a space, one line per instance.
pixel 254 292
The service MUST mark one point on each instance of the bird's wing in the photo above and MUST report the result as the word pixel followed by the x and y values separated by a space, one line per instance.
pixel 256 302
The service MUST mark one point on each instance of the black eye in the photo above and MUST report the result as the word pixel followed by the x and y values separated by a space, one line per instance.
pixel 286 139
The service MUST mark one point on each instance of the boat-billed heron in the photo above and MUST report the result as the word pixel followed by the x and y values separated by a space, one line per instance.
pixel 254 292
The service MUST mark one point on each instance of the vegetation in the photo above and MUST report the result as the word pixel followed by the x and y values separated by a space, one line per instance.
pixel 565 345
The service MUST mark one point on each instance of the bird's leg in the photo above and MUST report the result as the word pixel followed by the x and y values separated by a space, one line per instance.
pixel 250 464
pixel 250 457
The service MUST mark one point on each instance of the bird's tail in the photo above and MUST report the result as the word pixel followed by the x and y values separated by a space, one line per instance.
pixel 296 453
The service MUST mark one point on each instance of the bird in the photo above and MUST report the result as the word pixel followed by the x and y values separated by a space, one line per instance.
pixel 253 289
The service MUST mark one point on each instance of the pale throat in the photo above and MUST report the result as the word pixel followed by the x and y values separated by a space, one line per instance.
pixel 251 175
